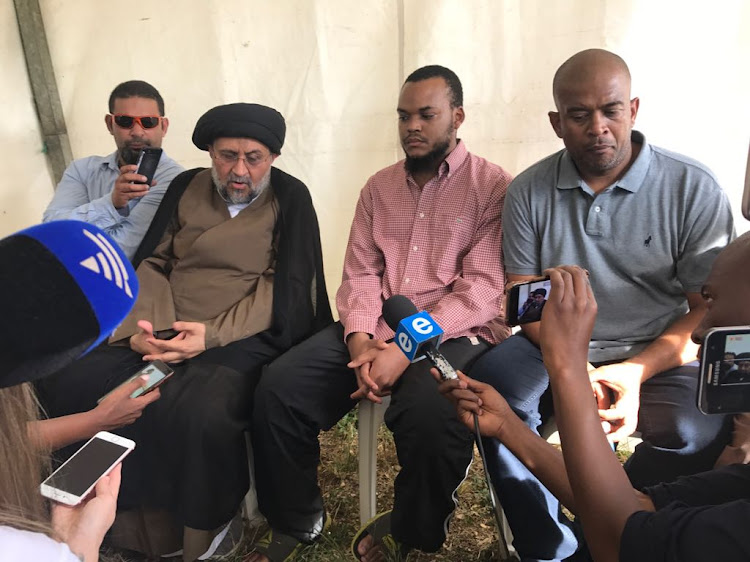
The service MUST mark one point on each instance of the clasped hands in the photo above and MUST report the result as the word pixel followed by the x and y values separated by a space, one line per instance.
pixel 189 342
pixel 377 365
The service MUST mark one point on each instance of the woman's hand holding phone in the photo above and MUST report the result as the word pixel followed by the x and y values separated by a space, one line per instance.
pixel 118 409
pixel 82 527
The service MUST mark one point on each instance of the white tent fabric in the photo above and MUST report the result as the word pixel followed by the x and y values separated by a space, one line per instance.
pixel 334 69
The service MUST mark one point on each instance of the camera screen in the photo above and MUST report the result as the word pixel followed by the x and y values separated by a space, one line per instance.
pixel 154 376
pixel 531 300
pixel 86 466
pixel 734 366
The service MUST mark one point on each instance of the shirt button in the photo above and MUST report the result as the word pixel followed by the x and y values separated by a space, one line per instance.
pixel 597 208
pixel 415 248
pixel 407 280
pixel 421 215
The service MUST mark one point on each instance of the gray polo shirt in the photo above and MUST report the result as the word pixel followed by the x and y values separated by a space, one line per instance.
pixel 646 240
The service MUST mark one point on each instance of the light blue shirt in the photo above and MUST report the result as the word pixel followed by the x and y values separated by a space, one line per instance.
pixel 84 194
pixel 646 240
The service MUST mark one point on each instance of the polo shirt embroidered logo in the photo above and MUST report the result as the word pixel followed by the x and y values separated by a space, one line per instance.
pixel 111 267
pixel 647 241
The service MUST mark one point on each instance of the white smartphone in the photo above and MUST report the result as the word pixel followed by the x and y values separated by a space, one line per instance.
pixel 157 372
pixel 77 476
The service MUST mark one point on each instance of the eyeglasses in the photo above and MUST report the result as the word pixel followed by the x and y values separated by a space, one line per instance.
pixel 251 159
pixel 128 121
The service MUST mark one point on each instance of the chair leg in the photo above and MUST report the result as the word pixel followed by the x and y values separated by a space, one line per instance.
pixel 506 552
pixel 252 513
pixel 370 417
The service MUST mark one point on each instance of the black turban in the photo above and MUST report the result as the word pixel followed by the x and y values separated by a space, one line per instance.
pixel 243 120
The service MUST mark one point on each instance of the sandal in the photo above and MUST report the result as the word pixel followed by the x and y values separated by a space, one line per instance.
pixel 278 547
pixel 379 528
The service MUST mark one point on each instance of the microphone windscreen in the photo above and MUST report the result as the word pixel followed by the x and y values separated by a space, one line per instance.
pixel 396 309
pixel 64 287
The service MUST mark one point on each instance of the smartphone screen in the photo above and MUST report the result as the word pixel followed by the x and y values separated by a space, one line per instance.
pixel 526 301
pixel 148 161
pixel 157 372
pixel 725 371
pixel 78 475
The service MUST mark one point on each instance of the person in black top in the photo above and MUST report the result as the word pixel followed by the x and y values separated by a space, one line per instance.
pixel 699 517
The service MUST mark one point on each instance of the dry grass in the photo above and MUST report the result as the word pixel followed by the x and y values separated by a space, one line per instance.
pixel 472 535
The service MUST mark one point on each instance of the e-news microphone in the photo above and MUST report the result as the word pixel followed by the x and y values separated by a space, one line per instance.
pixel 417 334
pixel 64 287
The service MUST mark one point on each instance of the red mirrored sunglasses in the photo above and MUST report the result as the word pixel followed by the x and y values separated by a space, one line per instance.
pixel 128 121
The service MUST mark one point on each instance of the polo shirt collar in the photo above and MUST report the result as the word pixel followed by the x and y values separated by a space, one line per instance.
pixel 568 177
pixel 111 162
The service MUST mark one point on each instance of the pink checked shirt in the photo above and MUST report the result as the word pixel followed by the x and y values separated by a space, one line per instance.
pixel 440 246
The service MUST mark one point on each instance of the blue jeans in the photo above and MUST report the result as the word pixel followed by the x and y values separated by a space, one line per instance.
pixel 677 440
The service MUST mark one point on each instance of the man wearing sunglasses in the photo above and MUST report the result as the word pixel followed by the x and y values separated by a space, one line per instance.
pixel 105 190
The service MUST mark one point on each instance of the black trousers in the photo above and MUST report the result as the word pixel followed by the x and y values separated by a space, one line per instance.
pixel 307 390
pixel 190 456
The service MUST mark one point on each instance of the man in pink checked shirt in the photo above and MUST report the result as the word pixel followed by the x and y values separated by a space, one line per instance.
pixel 429 228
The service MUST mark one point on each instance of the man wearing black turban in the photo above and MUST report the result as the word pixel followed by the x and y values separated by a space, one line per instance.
pixel 231 276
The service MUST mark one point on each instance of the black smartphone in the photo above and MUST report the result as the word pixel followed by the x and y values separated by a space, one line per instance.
pixel 525 301
pixel 147 163
pixel 167 334
pixel 724 386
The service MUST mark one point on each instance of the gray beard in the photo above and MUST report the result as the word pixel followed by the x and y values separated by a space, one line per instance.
pixel 235 198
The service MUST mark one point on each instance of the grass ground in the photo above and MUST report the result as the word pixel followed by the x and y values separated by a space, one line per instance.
pixel 472 536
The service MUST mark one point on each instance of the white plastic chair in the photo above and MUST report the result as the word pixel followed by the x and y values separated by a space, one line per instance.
pixel 370 417
pixel 251 498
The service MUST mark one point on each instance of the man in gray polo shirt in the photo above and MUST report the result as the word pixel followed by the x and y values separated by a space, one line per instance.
pixel 647 224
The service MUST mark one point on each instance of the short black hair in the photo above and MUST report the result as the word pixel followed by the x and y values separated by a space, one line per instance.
pixel 136 89
pixel 540 291
pixel 437 71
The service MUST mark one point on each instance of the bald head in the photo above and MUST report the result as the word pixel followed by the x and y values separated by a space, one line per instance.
pixel 727 289
pixel 586 67
pixel 734 260
pixel 595 115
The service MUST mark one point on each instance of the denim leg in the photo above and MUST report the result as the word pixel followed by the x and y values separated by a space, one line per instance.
pixel 540 529
pixel 677 438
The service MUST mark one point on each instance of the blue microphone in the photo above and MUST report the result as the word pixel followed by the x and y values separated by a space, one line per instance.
pixel 64 288
pixel 417 334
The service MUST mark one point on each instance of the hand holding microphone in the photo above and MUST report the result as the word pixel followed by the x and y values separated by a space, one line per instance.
pixel 418 336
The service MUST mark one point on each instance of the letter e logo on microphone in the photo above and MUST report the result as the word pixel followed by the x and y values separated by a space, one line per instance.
pixel 403 341
pixel 422 326
pixel 414 331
